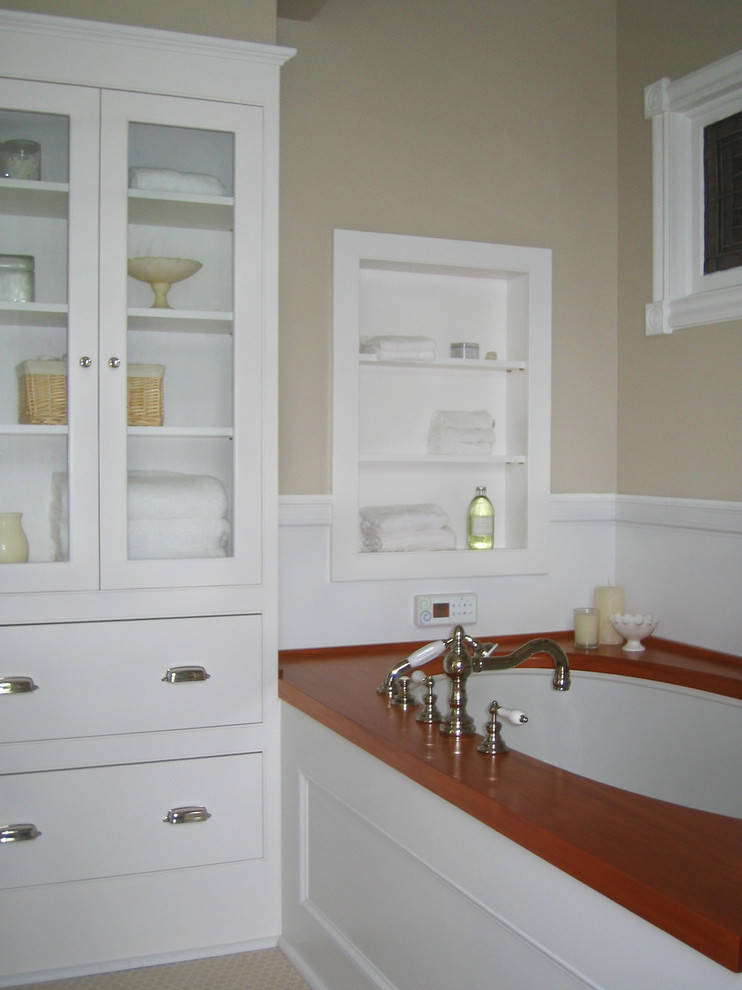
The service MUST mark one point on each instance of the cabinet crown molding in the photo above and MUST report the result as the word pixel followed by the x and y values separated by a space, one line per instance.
pixel 97 32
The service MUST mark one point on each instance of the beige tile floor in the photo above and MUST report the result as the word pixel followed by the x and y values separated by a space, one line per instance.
pixel 263 969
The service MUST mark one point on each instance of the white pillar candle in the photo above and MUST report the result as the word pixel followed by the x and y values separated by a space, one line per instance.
pixel 610 601
pixel 587 623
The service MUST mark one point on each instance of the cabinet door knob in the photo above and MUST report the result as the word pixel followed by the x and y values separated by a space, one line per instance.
pixel 85 361
pixel 17 685
pixel 186 815
pixel 18 833
pixel 178 675
pixel 114 362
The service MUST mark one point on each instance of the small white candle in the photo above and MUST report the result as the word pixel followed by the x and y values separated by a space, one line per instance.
pixel 587 624
pixel 610 600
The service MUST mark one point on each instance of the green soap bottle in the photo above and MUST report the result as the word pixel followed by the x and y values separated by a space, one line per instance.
pixel 481 522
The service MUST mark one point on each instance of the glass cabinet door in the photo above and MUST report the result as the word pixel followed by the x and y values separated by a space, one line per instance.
pixel 181 325
pixel 48 334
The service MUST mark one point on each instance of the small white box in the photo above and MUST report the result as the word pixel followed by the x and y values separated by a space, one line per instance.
pixel 464 350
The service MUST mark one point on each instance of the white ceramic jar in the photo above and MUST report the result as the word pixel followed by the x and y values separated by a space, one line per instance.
pixel 13 542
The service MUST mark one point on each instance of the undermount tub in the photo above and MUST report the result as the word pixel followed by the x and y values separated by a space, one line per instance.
pixel 412 860
pixel 668 742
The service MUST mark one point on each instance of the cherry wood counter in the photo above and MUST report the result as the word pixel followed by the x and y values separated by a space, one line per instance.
pixel 676 867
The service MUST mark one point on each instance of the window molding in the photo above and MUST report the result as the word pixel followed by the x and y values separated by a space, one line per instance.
pixel 680 109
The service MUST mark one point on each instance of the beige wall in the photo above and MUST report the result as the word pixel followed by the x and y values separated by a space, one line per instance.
pixel 481 120
pixel 495 120
pixel 249 20
pixel 680 396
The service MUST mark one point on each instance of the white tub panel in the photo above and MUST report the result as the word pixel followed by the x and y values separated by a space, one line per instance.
pixel 426 873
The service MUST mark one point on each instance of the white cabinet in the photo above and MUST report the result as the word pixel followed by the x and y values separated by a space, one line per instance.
pixel 138 644
pixel 444 292
pixel 203 420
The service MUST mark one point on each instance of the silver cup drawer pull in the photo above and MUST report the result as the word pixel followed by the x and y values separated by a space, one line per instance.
pixel 186 815
pixel 181 675
pixel 17 685
pixel 18 833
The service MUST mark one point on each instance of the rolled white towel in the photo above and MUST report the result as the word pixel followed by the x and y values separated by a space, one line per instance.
pixel 59 516
pixel 442 538
pixel 156 539
pixel 171 495
pixel 462 419
pixel 402 518
pixel 171 180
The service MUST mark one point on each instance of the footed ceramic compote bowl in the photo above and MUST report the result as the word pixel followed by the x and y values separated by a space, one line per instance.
pixel 634 628
pixel 161 273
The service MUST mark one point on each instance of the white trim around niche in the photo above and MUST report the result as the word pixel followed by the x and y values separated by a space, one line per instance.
pixel 680 109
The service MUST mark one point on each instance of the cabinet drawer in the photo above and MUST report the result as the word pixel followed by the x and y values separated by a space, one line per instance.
pixel 110 821
pixel 103 678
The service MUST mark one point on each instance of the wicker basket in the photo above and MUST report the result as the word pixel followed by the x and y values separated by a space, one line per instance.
pixel 144 394
pixel 42 391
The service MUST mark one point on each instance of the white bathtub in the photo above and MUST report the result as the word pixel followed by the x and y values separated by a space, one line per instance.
pixel 667 742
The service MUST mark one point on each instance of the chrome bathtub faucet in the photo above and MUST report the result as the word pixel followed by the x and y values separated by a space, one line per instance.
pixel 464 656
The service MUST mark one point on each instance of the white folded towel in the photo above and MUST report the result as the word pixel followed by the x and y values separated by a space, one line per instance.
pixel 170 180
pixel 442 538
pixel 451 434
pixel 158 539
pixel 169 495
pixel 458 448
pixel 462 420
pixel 391 342
pixel 402 518
pixel 450 440
pixel 397 348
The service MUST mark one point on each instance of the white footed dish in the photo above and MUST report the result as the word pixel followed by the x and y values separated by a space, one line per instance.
pixel 634 628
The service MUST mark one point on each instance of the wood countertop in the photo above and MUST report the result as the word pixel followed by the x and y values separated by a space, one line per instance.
pixel 676 867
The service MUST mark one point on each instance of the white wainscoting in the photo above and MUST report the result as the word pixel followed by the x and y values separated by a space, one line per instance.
pixel 680 559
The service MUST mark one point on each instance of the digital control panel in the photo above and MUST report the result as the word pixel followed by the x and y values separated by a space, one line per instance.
pixel 445 610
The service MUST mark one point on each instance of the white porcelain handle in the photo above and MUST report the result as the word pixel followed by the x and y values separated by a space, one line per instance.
pixel 428 652
pixel 514 715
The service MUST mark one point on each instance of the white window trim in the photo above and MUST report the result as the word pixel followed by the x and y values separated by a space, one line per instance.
pixel 680 109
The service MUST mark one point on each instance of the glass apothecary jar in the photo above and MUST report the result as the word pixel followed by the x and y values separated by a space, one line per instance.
pixel 16 278
pixel 20 159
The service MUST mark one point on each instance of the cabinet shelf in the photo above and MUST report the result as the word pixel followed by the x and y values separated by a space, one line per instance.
pixel 181 320
pixel 21 197
pixel 26 314
pixel 32 430
pixel 181 210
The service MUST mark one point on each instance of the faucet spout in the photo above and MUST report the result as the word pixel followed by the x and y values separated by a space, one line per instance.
pixel 561 678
